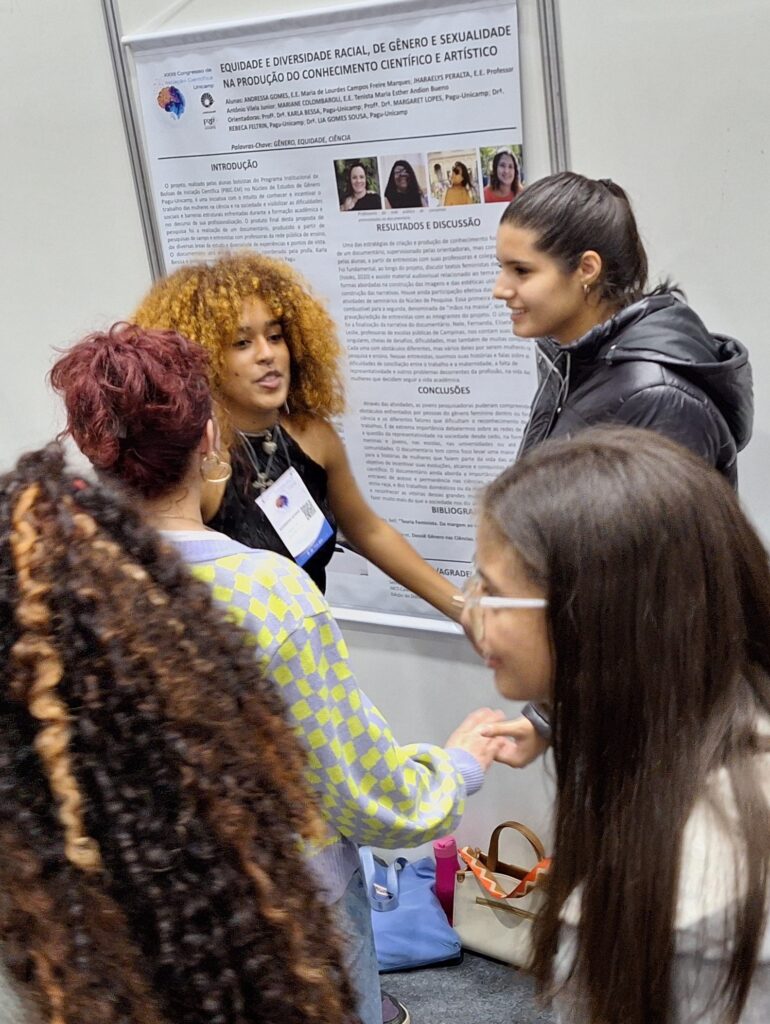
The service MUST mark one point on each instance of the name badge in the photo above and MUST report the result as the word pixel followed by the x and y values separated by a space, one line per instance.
pixel 295 516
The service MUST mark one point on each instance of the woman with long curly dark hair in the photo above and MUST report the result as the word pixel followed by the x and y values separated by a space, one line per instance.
pixel 139 407
pixel 151 794
pixel 460 191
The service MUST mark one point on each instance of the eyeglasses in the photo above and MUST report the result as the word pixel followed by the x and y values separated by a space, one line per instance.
pixel 474 603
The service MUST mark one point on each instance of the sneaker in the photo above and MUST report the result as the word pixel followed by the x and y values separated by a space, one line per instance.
pixel 394 1012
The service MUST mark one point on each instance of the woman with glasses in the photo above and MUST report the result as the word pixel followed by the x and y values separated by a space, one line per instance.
pixel 403 189
pixel 460 191
pixel 573 275
pixel 619 581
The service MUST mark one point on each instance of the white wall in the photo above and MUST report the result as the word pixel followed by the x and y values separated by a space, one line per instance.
pixel 667 97
pixel 670 98
pixel 71 246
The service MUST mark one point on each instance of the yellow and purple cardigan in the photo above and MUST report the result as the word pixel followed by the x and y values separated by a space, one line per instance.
pixel 371 790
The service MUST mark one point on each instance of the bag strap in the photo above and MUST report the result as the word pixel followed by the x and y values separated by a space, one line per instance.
pixel 535 878
pixel 486 866
pixel 381 897
pixel 494 842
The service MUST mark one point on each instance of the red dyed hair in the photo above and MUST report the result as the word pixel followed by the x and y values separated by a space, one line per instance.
pixel 137 403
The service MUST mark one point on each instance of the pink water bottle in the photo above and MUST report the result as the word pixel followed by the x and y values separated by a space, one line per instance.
pixel 445 852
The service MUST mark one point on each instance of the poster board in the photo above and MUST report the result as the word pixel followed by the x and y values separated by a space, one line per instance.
pixel 251 135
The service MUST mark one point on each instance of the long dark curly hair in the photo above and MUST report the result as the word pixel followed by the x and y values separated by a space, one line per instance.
pixel 152 797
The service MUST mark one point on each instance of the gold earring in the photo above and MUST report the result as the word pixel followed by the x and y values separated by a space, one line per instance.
pixel 214 469
pixel 586 290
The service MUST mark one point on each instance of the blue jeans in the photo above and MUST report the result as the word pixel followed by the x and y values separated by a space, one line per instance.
pixel 354 920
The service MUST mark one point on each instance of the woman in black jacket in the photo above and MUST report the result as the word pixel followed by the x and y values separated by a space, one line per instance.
pixel 573 273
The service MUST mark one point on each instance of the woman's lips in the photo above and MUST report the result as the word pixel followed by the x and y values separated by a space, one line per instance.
pixel 271 381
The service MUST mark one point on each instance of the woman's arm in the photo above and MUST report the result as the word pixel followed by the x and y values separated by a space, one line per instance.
pixel 370 535
pixel 371 789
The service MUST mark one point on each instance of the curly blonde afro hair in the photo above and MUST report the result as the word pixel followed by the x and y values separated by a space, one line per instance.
pixel 203 302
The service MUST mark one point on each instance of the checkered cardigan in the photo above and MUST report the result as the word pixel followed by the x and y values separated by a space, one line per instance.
pixel 371 790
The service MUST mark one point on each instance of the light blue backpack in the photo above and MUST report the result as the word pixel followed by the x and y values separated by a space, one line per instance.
pixel 410 926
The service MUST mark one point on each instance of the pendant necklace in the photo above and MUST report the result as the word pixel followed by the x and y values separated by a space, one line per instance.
pixel 269 446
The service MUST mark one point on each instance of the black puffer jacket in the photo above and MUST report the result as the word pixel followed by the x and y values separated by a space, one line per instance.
pixel 652 365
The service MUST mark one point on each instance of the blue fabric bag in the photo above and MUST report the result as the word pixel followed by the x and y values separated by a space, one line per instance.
pixel 410 926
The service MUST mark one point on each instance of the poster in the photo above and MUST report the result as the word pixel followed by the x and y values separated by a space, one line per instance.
pixel 361 152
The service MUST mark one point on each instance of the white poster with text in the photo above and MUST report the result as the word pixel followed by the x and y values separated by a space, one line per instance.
pixel 375 156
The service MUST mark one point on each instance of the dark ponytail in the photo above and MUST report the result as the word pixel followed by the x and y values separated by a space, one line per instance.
pixel 571 214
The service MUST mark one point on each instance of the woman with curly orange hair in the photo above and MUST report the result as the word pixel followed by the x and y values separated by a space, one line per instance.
pixel 275 371
pixel 152 794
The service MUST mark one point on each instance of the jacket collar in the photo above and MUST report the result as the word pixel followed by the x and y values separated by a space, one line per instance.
pixel 596 342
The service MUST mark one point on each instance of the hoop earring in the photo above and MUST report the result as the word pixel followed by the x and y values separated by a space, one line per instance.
pixel 286 410
pixel 214 469
pixel 586 290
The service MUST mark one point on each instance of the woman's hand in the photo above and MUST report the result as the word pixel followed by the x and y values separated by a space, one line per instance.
pixel 521 744
pixel 470 736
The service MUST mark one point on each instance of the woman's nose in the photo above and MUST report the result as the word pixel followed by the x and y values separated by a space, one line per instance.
pixel 501 288
pixel 263 350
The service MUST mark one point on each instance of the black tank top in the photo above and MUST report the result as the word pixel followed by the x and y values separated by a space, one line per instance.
pixel 241 518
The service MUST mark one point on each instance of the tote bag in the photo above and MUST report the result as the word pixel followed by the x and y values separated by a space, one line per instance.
pixel 496 903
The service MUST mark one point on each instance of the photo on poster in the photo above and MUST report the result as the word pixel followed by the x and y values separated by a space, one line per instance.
pixel 358 184
pixel 407 181
pixel 454 179
pixel 501 172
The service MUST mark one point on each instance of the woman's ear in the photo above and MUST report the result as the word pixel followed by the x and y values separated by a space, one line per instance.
pixel 590 268
pixel 210 439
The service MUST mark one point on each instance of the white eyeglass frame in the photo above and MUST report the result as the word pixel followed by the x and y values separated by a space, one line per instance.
pixel 505 602
pixel 470 600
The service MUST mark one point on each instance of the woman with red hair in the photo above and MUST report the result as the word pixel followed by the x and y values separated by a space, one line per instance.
pixel 139 407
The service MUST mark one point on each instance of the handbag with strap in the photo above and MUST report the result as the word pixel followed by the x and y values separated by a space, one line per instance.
pixel 491 915
pixel 409 924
